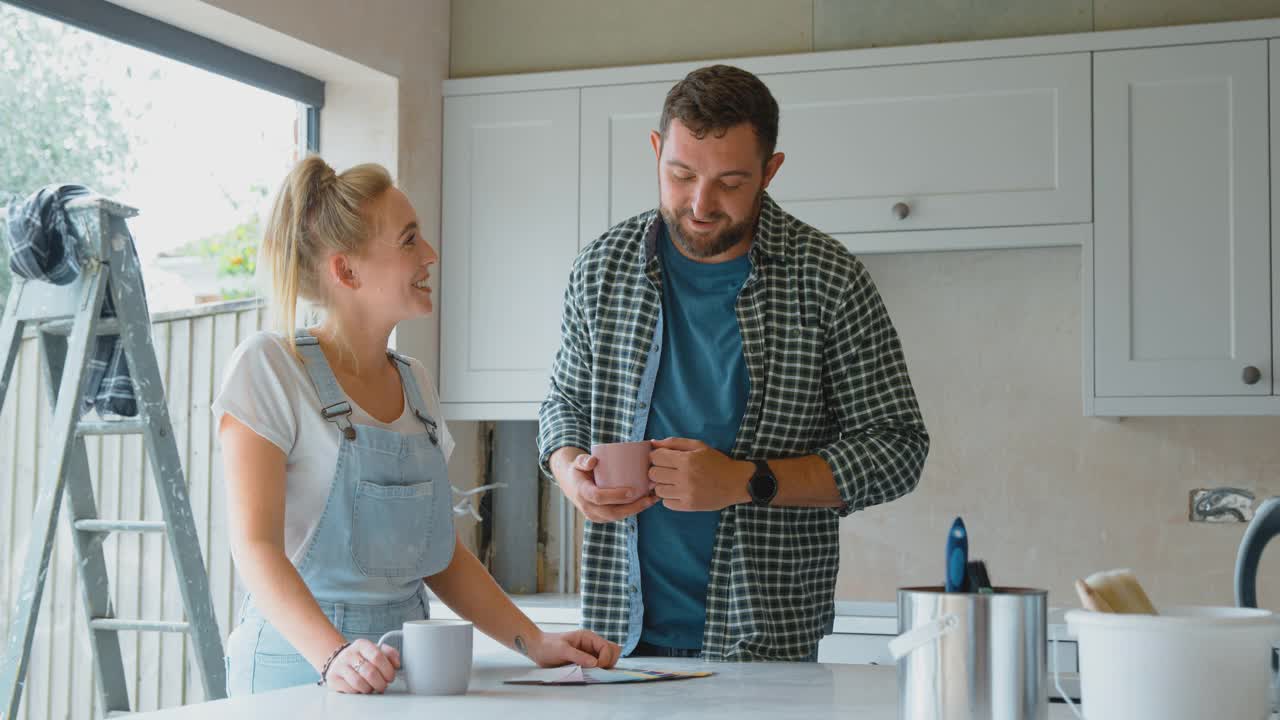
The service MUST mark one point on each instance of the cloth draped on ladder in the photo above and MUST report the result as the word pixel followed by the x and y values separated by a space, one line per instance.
pixel 43 245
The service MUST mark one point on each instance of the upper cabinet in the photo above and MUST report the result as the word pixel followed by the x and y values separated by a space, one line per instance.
pixel 1180 271
pixel 986 143
pixel 619 170
pixel 1149 149
pixel 978 144
pixel 510 233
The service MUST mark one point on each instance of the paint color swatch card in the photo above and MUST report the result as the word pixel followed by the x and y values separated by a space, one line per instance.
pixel 577 675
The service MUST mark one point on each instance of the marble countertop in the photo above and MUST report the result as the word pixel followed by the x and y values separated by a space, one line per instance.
pixel 740 691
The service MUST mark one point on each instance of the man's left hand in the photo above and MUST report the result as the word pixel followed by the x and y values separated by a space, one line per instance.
pixel 691 475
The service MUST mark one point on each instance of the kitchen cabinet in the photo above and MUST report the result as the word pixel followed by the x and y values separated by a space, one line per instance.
pixel 1178 280
pixel 510 233
pixel 1149 149
pixel 997 144
pixel 979 144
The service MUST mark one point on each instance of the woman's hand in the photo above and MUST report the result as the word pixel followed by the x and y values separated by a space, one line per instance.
pixel 579 647
pixel 363 668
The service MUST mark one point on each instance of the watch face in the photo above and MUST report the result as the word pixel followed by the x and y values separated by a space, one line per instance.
pixel 763 487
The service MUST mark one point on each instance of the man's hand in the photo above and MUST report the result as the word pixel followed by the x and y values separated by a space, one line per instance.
pixel 691 475
pixel 574 470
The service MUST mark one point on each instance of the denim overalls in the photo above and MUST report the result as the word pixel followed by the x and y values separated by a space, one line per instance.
pixel 388 523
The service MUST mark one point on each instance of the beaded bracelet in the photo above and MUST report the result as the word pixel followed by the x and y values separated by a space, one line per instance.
pixel 334 656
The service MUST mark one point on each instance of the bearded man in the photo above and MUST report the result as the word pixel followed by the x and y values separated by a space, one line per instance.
pixel 756 356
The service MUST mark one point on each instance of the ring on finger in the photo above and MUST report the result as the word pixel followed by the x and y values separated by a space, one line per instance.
pixel 359 664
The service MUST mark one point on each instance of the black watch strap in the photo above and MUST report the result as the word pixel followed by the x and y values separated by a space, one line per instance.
pixel 763 485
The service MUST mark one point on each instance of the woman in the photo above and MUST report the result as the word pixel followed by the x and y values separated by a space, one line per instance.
pixel 334 455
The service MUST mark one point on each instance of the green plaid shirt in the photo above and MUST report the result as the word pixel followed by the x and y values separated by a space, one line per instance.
pixel 827 378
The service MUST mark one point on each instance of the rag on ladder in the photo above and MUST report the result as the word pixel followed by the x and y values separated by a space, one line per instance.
pixel 43 245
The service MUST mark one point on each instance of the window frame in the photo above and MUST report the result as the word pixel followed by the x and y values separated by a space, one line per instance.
pixel 123 25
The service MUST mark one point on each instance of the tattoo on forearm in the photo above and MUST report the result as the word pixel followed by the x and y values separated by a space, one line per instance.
pixel 521 647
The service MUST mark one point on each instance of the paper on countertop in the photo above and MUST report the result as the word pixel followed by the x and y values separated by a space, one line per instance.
pixel 578 675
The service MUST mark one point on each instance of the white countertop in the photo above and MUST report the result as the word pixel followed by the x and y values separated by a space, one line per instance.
pixel 738 691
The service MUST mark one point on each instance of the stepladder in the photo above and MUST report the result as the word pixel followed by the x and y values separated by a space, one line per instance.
pixel 68 322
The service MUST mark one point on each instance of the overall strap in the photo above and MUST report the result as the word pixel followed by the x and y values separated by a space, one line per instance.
pixel 333 402
pixel 413 393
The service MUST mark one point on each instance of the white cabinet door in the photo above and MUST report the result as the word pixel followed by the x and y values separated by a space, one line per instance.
pixel 619 169
pixel 963 144
pixel 982 143
pixel 510 233
pixel 1181 259
pixel 1275 206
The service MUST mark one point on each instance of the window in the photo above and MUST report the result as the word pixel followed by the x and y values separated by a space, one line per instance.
pixel 197 152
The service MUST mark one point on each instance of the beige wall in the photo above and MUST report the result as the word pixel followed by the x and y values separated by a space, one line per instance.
pixel 993 343
pixel 493 37
pixel 992 338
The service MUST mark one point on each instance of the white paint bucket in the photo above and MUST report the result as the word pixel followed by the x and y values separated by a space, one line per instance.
pixel 1188 663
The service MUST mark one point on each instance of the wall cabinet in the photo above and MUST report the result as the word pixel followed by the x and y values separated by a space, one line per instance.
pixel 1180 269
pixel 979 144
pixel 1149 149
pixel 510 233
pixel 935 149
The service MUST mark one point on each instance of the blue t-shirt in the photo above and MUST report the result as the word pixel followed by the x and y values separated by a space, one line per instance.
pixel 700 393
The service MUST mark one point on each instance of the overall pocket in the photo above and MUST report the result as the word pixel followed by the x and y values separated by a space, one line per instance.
pixel 391 528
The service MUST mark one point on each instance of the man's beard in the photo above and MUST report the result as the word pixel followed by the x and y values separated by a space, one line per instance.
pixel 705 247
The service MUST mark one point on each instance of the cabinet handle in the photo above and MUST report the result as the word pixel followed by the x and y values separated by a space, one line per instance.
pixel 1251 375
pixel 901 210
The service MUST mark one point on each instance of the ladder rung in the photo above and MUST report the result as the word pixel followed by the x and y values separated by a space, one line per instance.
pixel 115 624
pixel 104 326
pixel 107 526
pixel 131 426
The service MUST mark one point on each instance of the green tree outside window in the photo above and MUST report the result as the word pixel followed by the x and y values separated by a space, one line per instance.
pixel 57 120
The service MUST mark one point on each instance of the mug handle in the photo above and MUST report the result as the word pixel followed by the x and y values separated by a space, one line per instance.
pixel 395 639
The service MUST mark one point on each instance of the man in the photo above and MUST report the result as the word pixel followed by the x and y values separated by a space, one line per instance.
pixel 755 353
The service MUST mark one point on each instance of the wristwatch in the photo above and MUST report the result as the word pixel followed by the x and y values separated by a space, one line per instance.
pixel 763 485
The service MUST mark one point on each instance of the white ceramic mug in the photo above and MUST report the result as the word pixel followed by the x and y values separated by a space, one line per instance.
pixel 435 655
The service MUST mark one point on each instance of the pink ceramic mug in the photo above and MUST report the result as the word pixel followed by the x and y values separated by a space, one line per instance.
pixel 624 464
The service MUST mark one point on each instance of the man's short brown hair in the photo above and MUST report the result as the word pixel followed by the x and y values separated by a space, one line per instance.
pixel 717 97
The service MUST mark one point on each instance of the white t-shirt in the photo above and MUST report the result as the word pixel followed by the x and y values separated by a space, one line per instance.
pixel 268 390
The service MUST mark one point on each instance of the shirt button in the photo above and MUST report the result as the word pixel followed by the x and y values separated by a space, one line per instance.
pixel 644 405
pixel 653 349
pixel 633 590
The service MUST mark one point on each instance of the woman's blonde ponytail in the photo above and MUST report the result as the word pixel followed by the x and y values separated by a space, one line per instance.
pixel 316 211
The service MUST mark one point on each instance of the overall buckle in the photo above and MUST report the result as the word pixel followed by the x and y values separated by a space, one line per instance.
pixel 340 415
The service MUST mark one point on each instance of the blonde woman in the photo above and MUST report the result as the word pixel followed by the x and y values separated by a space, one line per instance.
pixel 334 455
